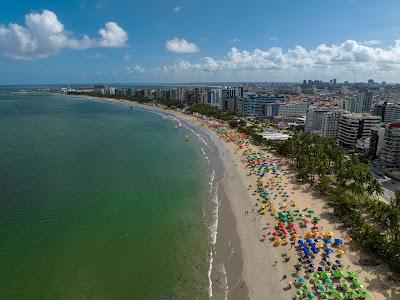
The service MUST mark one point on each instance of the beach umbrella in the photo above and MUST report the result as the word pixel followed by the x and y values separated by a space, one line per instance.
pixel 326 275
pixel 310 295
pixel 352 275
pixel 329 234
pixel 324 296
pixel 327 240
pixel 318 282
pixel 331 287
pixel 337 295
pixel 338 242
pixel 299 293
pixel 328 251
pixel 345 285
pixel 301 280
pixel 316 276
pixel 307 287
pixel 310 211
pixel 338 273
pixel 352 294
pixel 364 294
pixel 321 288
pixel 358 285
pixel 328 281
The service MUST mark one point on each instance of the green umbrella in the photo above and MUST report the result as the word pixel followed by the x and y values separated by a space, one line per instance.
pixel 331 287
pixel 328 281
pixel 352 275
pixel 319 282
pixel 310 295
pixel 358 285
pixel 352 294
pixel 301 280
pixel 316 276
pixel 324 296
pixel 338 273
pixel 364 294
pixel 321 288
pixel 337 295
pixel 325 274
pixel 310 211
pixel 346 285
pixel 297 210
pixel 299 293
pixel 307 287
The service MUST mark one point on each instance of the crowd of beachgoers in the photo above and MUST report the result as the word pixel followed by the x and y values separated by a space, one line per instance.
pixel 313 252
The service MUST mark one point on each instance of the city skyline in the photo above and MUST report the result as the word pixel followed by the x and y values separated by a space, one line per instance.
pixel 262 41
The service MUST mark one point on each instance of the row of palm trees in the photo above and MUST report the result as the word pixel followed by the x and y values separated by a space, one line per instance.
pixel 352 191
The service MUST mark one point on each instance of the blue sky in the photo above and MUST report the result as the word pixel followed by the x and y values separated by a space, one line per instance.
pixel 198 40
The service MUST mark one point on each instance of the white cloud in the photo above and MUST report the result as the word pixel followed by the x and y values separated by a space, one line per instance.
pixel 234 41
pixel 348 56
pixel 44 35
pixel 372 42
pixel 177 9
pixel 112 36
pixel 134 69
pixel 126 57
pixel 178 45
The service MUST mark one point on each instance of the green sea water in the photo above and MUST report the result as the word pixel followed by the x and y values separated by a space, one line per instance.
pixel 98 201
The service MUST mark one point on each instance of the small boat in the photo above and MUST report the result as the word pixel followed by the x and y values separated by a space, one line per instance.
pixel 180 125
pixel 187 137
pixel 176 127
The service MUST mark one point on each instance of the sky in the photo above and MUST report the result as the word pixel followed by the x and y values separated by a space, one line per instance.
pixel 182 41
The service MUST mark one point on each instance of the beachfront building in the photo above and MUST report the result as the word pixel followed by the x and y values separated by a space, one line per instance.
pixel 314 119
pixel 274 136
pixel 235 104
pixel 293 109
pixel 376 142
pixel 390 156
pixel 215 97
pixel 260 106
pixel 355 128
pixel 330 124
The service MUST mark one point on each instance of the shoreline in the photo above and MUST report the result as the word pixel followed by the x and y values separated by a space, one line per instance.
pixel 259 259
pixel 225 272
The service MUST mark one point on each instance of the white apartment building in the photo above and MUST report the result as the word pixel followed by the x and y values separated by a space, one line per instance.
pixel 330 124
pixel 293 109
pixel 353 127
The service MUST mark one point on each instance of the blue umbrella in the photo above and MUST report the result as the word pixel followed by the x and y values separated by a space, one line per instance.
pixel 327 241
pixel 328 251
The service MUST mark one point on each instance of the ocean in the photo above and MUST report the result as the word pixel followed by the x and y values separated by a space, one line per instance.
pixel 98 201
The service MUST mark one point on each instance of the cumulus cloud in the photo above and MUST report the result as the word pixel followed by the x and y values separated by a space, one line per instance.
pixel 112 36
pixel 177 9
pixel 134 69
pixel 178 45
pixel 44 35
pixel 372 42
pixel 349 55
pixel 234 41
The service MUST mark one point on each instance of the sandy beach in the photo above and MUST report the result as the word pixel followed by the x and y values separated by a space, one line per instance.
pixel 254 269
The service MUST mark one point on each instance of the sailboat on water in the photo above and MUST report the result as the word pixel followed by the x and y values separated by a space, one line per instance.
pixel 187 137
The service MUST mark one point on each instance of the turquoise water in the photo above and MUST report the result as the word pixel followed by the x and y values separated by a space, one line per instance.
pixel 98 202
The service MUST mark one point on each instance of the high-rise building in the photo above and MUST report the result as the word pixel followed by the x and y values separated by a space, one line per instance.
pixel 364 102
pixel 257 106
pixel 376 142
pixel 314 119
pixel 330 124
pixel 293 109
pixel 388 112
pixel 355 127
pixel 390 156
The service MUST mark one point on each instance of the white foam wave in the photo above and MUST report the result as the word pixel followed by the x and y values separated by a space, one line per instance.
pixel 213 236
pixel 226 287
